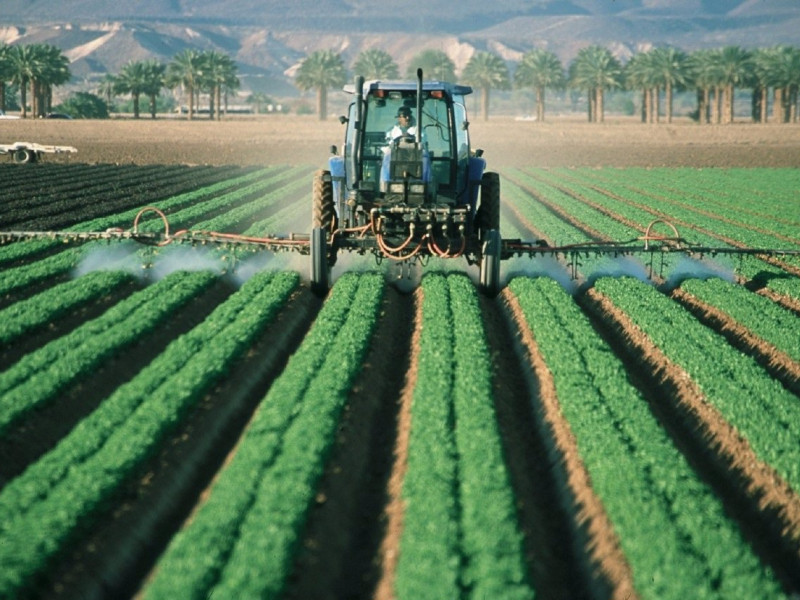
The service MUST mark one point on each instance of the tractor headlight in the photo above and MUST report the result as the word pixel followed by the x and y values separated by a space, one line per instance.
pixel 396 188
pixel 416 188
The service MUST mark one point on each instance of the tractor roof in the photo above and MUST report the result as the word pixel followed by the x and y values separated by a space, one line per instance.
pixel 451 89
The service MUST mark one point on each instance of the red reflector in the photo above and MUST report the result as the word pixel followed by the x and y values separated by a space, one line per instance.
pixel 380 93
pixel 437 94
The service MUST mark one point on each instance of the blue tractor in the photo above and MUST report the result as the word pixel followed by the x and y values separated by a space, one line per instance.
pixel 406 185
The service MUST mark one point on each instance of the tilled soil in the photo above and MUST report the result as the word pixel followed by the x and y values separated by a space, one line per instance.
pixel 304 140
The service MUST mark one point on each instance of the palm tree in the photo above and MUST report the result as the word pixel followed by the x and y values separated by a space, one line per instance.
pixel 595 69
pixel 486 71
pixel 785 76
pixel 705 74
pixel 435 64
pixel 6 73
pixel 539 69
pixel 321 70
pixel 107 89
pixel 218 73
pixel 376 64
pixel 259 99
pixel 184 71
pixel 668 71
pixel 735 64
pixel 25 67
pixel 638 75
pixel 133 80
pixel 154 72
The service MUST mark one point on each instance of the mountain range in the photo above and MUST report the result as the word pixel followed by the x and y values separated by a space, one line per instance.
pixel 268 38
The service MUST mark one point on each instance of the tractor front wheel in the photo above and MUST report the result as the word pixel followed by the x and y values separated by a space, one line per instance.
pixel 490 263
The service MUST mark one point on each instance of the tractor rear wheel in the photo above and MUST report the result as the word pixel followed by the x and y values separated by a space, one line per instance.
pixel 488 215
pixel 490 263
pixel 323 211
pixel 320 269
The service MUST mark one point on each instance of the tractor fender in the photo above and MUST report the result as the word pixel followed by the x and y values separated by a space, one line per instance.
pixel 336 167
pixel 475 169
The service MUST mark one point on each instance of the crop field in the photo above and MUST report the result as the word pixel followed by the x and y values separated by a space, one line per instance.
pixel 192 422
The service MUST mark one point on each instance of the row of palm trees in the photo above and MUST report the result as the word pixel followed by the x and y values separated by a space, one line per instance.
pixel 658 73
pixel 714 74
pixel 35 69
pixel 194 71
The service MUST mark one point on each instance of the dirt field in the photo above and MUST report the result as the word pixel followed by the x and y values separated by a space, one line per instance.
pixel 305 140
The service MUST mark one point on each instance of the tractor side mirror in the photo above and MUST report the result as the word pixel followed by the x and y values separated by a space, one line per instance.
pixel 478 152
pixel 343 119
pixel 465 125
pixel 334 150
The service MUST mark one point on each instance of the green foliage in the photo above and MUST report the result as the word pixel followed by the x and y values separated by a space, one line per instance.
pixel 242 541
pixel 83 105
pixel 460 534
pixel 760 409
pixel 58 495
pixel 39 376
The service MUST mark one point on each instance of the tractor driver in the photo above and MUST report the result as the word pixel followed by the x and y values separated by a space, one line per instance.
pixel 406 125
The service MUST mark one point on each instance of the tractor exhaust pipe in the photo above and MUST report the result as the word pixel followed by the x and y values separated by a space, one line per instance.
pixel 418 134
pixel 358 124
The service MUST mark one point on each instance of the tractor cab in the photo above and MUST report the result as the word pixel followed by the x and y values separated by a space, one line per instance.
pixel 406 143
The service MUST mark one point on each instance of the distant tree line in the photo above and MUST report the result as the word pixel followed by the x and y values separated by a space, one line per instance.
pixel 656 74
pixel 34 70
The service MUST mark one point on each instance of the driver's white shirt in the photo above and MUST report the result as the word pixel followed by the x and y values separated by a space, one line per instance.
pixel 397 131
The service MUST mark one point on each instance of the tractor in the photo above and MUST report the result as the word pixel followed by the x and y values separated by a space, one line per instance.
pixel 406 194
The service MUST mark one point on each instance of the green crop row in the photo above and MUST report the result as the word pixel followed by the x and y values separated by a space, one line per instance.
pixel 460 533
pixel 39 376
pixel 719 224
pixel 33 313
pixel 642 208
pixel 54 500
pixel 673 530
pixel 256 196
pixel 761 316
pixel 125 219
pixel 241 541
pixel 20 277
pixel 765 413
pixel 574 207
pixel 765 194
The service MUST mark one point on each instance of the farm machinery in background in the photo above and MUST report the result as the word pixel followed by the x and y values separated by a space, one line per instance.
pixel 405 191
pixel 29 152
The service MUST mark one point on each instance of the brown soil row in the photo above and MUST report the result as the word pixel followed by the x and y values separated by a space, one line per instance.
pixel 352 532
pixel 766 507
pixel 779 364
pixel 389 553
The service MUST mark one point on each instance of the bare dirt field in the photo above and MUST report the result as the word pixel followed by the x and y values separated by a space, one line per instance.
pixel 283 139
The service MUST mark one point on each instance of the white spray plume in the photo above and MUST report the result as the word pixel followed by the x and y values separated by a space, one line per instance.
pixel 539 266
pixel 184 258
pixel 620 266
pixel 255 263
pixel 112 257
pixel 694 268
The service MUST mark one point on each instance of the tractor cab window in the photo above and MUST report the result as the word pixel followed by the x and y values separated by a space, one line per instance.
pixel 382 123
